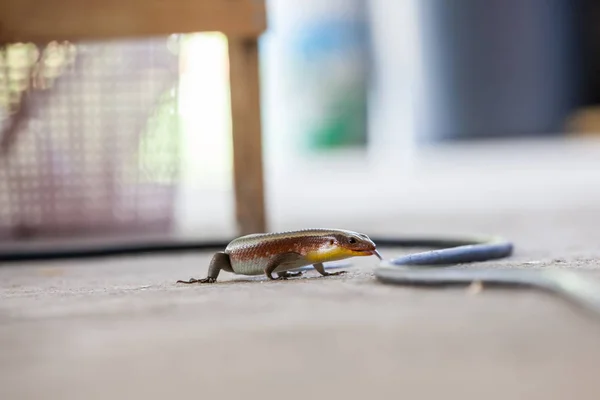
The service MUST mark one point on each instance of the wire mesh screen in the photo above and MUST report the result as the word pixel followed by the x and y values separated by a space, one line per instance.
pixel 88 138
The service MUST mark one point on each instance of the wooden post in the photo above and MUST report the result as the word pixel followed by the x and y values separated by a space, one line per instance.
pixel 246 131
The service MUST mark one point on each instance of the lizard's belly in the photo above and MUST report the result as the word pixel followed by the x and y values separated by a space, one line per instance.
pixel 256 266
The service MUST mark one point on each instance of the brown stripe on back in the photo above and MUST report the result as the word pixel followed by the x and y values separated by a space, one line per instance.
pixel 266 245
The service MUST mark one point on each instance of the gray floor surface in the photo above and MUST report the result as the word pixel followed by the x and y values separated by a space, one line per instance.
pixel 120 328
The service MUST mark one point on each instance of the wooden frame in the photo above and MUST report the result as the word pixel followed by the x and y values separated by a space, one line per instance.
pixel 243 21
pixel 47 20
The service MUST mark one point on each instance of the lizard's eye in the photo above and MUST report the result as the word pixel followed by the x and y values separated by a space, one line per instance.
pixel 352 240
pixel 331 242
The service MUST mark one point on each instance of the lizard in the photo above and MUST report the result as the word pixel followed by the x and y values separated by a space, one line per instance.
pixel 280 252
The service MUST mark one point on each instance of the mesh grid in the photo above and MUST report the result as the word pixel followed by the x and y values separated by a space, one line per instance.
pixel 89 138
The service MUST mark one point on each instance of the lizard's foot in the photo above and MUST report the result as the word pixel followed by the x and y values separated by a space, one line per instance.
pixel 205 280
pixel 288 274
pixel 334 273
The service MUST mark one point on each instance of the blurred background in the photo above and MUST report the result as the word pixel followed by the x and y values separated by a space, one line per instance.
pixel 371 110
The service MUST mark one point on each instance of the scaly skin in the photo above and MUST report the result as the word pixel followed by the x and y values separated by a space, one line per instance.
pixel 268 253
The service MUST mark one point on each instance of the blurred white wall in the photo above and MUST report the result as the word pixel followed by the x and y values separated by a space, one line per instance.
pixel 392 175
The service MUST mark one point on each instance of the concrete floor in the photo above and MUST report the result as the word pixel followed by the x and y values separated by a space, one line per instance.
pixel 121 329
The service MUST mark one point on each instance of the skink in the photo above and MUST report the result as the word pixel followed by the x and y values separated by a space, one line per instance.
pixel 279 253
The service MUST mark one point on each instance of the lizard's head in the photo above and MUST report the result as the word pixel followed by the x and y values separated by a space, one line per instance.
pixel 345 244
pixel 358 244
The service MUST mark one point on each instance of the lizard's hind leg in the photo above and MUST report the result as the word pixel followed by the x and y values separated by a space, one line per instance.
pixel 220 261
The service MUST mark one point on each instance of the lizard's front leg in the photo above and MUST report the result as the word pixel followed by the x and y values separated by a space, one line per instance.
pixel 321 269
pixel 279 260
pixel 220 261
